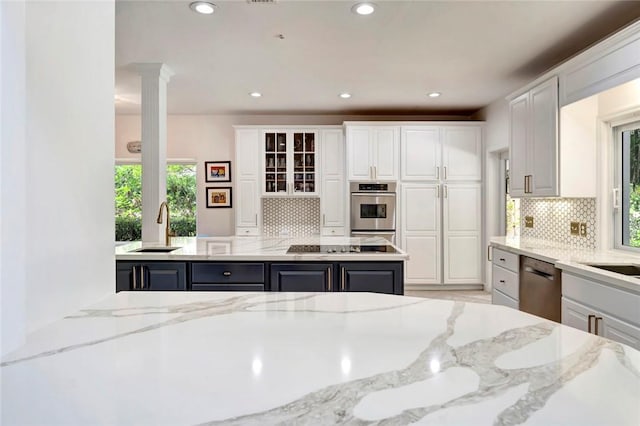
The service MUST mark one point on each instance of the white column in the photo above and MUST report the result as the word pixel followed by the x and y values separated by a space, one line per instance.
pixel 154 147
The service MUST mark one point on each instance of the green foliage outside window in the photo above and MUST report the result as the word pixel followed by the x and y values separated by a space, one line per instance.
pixel 634 196
pixel 181 196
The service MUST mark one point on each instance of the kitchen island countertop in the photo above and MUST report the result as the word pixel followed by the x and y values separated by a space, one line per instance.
pixel 314 358
pixel 261 248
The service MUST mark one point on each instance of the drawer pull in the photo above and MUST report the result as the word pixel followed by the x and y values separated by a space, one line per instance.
pixel 502 259
pixel 226 273
pixel 502 281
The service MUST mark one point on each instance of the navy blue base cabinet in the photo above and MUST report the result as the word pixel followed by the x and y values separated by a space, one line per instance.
pixel 376 277
pixel 151 276
pixel 302 277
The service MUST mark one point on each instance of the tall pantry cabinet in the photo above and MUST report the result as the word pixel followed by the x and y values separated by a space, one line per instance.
pixel 441 203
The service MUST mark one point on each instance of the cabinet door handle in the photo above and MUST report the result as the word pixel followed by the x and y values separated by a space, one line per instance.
pixel 489 254
pixel 142 272
pixel 329 278
pixel 526 190
pixel 446 191
pixel 437 172
pixel 343 279
pixel 437 191
pixel 589 318
pixel 226 273
pixel 596 324
pixel 256 220
pixel 375 172
pixel 445 172
pixel 135 278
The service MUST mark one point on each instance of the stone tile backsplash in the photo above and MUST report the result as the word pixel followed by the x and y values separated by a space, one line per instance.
pixel 290 216
pixel 552 219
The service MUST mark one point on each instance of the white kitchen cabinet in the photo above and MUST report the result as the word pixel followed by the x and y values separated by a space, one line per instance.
pixel 448 153
pixel 421 236
pixel 461 153
pixel 533 142
pixel 462 231
pixel 247 193
pixel 332 200
pixel 608 64
pixel 505 278
pixel 372 152
pixel 289 162
pixel 601 309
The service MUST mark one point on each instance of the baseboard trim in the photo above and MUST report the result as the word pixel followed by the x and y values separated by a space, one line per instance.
pixel 418 287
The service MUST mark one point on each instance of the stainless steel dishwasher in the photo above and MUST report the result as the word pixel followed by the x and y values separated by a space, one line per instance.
pixel 540 288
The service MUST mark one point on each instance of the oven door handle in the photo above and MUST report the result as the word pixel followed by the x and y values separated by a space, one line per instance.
pixel 530 270
pixel 373 194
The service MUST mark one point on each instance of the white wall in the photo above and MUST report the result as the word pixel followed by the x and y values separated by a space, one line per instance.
pixel 619 99
pixel 211 138
pixel 66 222
pixel 496 117
pixel 13 188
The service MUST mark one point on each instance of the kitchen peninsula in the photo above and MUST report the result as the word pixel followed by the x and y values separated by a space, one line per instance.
pixel 311 263
pixel 314 358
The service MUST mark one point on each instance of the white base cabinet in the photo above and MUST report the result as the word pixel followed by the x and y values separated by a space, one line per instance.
pixel 505 278
pixel 600 309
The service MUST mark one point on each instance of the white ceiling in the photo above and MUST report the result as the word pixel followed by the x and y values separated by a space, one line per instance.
pixel 473 52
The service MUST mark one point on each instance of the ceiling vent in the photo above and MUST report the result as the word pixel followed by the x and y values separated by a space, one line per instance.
pixel 261 1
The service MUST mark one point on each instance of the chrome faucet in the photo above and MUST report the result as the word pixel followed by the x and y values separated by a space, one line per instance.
pixel 167 232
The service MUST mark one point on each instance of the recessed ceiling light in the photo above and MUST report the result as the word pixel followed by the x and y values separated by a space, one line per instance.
pixel 345 95
pixel 203 7
pixel 363 8
pixel 434 94
pixel 255 94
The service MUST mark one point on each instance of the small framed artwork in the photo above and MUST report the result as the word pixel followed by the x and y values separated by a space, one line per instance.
pixel 219 197
pixel 217 171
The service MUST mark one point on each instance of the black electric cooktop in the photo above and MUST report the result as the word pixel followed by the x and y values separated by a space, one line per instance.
pixel 315 248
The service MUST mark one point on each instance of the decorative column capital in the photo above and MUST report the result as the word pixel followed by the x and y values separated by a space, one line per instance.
pixel 154 70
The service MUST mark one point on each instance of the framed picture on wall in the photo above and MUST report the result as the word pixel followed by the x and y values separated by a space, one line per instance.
pixel 217 171
pixel 219 197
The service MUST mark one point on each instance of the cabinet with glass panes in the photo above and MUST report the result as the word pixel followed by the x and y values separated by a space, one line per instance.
pixel 290 162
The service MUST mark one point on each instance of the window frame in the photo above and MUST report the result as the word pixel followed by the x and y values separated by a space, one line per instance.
pixel 617 203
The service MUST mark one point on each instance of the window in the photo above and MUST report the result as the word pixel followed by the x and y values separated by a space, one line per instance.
pixel 181 196
pixel 627 193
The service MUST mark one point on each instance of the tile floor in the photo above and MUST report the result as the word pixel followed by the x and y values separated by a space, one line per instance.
pixel 475 296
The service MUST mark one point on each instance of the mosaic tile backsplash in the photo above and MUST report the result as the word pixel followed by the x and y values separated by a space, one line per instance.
pixel 290 216
pixel 552 219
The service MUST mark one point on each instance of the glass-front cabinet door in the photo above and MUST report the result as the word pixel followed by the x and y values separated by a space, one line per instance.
pixel 290 162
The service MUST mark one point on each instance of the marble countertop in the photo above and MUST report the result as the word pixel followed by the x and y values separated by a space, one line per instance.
pixel 187 358
pixel 257 248
pixel 574 260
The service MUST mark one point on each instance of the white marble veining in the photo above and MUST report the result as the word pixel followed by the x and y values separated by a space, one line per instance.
pixel 573 259
pixel 256 248
pixel 314 358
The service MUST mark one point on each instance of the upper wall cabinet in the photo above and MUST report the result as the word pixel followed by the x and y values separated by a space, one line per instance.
pixel 290 158
pixel 533 142
pixel 608 64
pixel 372 152
pixel 448 153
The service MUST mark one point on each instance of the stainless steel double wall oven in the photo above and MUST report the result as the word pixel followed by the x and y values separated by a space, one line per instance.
pixel 373 210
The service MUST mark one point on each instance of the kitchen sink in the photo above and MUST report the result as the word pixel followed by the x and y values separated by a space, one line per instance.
pixel 620 269
pixel 155 249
